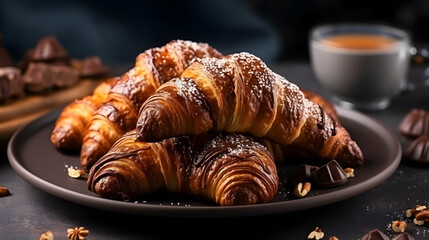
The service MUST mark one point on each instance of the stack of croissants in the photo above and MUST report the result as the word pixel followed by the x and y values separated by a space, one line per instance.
pixel 188 120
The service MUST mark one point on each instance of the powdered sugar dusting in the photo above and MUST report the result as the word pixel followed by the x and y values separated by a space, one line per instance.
pixel 283 82
pixel 188 89
pixel 222 67
pixel 189 51
pixel 234 144
pixel 254 68
pixel 294 97
pixel 250 73
pixel 312 110
pixel 190 45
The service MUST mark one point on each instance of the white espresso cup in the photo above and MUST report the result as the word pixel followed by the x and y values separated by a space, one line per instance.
pixel 362 65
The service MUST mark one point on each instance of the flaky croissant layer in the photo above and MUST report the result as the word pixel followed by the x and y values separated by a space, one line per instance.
pixel 229 169
pixel 119 113
pixel 239 93
pixel 70 125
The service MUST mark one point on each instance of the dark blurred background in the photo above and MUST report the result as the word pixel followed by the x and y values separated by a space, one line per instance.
pixel 118 30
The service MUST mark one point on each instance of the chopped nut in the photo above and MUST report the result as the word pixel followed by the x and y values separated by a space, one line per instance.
pixel 423 215
pixel 420 207
pixel 47 236
pixel 417 222
pixel 4 191
pixel 316 234
pixel 408 213
pixel 77 233
pixel 350 172
pixel 301 190
pixel 414 211
pixel 75 173
pixel 399 226
pixel 333 238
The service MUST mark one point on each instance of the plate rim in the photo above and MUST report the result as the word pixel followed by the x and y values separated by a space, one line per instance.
pixel 205 211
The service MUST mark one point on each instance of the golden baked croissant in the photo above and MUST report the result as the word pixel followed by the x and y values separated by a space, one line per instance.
pixel 118 114
pixel 70 124
pixel 229 169
pixel 239 93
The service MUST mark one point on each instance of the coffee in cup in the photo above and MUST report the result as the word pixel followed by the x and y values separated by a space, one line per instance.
pixel 362 65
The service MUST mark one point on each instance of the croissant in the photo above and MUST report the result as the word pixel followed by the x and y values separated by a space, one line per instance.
pixel 228 169
pixel 70 124
pixel 119 113
pixel 239 93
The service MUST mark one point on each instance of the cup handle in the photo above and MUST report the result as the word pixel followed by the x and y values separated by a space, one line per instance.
pixel 419 55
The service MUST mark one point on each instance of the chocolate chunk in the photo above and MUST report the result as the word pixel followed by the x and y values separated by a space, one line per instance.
pixel 375 234
pixel 93 67
pixel 403 236
pixel 415 123
pixel 329 175
pixel 40 77
pixel 64 76
pixel 11 84
pixel 418 151
pixel 49 49
pixel 302 174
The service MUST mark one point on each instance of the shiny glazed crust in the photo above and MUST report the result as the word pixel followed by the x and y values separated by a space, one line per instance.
pixel 70 125
pixel 229 169
pixel 239 93
pixel 118 114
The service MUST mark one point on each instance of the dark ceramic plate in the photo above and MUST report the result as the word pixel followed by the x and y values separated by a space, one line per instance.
pixel 33 157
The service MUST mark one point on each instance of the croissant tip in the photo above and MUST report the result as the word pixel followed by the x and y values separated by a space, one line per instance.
pixel 149 126
pixel 65 142
pixel 354 156
pixel 109 187
pixel 239 196
pixel 87 160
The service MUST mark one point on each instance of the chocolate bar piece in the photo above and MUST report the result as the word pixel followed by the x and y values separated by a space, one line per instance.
pixel 418 151
pixel 329 175
pixel 38 78
pixel 41 77
pixel 11 84
pixel 403 236
pixel 48 49
pixel 415 123
pixel 64 76
pixel 375 234
pixel 93 67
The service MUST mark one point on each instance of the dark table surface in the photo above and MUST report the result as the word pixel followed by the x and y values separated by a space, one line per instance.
pixel 28 212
